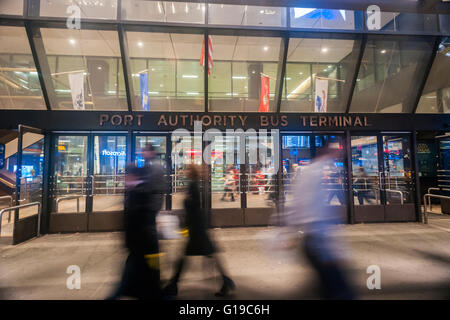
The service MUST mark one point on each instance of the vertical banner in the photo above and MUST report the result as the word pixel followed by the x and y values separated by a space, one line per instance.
pixel 76 82
pixel 264 103
pixel 210 55
pixel 144 91
pixel 321 95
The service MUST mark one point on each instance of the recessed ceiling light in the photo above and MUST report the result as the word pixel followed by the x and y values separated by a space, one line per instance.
pixel 266 48
pixel 72 41
pixel 140 44
pixel 99 68
pixel 383 51
pixel 324 49
pixel 300 73
pixel 262 11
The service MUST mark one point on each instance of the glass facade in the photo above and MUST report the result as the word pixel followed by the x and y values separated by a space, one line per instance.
pixel 311 61
pixel 99 9
pixel 86 63
pixel 436 94
pixel 240 66
pixel 390 74
pixel 243 15
pixel 163 11
pixel 167 66
pixel 163 52
pixel 19 82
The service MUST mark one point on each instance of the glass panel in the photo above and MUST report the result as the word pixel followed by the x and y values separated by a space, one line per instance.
pixel 334 181
pixel 397 166
pixel 366 182
pixel 296 152
pixel 327 62
pixel 390 75
pixel 160 145
pixel 110 155
pixel 170 63
pixel 32 172
pixel 243 65
pixel 14 7
pixel 436 94
pixel 99 9
pixel 225 172
pixel 322 18
pixel 184 152
pixel 444 23
pixel 408 22
pixel 444 167
pixel 70 175
pixel 19 82
pixel 262 174
pixel 246 15
pixel 163 11
pixel 87 60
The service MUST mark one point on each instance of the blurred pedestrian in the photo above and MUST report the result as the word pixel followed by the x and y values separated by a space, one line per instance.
pixel 144 192
pixel 310 212
pixel 199 243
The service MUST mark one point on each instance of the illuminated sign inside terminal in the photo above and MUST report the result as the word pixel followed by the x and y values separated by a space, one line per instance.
pixel 113 153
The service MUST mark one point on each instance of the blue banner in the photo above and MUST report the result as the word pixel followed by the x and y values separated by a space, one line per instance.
pixel 144 92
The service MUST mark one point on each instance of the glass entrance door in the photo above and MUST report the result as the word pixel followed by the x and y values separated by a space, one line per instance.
pixel 159 142
pixel 383 188
pixel 108 179
pixel 70 186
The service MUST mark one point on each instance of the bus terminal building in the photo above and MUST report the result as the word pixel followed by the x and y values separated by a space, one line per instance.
pixel 249 89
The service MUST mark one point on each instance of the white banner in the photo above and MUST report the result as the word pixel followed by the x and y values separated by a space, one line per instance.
pixel 77 89
pixel 321 97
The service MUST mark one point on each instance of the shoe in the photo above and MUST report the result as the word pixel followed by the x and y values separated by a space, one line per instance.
pixel 171 289
pixel 227 287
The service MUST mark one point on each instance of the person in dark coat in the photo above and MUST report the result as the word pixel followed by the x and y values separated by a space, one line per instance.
pixel 143 200
pixel 199 243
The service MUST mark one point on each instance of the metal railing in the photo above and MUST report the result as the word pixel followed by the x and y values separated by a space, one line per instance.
pixel 425 204
pixel 69 198
pixel 38 204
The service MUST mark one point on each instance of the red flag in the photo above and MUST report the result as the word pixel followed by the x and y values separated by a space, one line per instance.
pixel 210 55
pixel 264 103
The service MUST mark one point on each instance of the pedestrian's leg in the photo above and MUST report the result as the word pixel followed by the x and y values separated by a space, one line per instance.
pixel 172 287
pixel 228 284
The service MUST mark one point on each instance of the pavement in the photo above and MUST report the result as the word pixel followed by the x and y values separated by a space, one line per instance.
pixel 413 258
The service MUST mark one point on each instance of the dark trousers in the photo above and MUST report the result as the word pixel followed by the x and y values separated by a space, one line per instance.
pixel 139 280
pixel 333 283
pixel 182 262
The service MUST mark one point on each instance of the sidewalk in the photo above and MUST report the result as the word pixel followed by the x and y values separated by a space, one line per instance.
pixel 414 261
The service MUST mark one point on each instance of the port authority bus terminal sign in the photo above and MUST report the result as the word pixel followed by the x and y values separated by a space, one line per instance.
pixel 171 121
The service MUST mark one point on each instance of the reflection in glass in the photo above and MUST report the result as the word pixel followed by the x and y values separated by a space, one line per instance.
pixel 70 174
pixel 225 172
pixel 311 60
pixel 99 9
pixel 110 155
pixel 171 63
pixel 390 74
pixel 242 62
pixel 90 55
pixel 11 7
pixel 163 11
pixel 366 182
pixel 19 82
pixel 240 15
pixel 436 94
